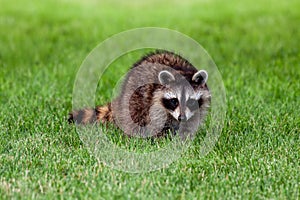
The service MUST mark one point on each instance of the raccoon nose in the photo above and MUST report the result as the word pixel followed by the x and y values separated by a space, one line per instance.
pixel 181 118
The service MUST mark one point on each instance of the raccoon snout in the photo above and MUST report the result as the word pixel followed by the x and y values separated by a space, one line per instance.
pixel 182 118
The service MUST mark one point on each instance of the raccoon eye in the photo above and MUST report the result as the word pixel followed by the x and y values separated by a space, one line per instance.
pixel 174 102
pixel 192 104
pixel 171 104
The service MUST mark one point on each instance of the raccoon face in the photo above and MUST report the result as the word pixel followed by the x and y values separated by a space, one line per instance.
pixel 180 99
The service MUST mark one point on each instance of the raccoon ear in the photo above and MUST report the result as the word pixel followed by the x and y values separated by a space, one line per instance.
pixel 165 77
pixel 200 77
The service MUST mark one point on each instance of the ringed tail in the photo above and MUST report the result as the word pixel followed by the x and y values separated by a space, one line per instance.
pixel 100 114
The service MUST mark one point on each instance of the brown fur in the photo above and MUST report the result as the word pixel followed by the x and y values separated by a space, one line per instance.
pixel 138 110
pixel 101 114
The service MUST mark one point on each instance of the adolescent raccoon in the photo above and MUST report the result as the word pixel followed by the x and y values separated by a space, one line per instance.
pixel 162 92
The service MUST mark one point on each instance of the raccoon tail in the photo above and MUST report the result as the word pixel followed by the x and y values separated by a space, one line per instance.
pixel 102 114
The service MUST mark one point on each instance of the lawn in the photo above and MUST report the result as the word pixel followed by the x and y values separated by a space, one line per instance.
pixel 255 46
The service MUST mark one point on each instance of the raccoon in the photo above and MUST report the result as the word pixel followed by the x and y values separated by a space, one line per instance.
pixel 162 93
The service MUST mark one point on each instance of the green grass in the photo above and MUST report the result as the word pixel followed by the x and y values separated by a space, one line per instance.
pixel 254 44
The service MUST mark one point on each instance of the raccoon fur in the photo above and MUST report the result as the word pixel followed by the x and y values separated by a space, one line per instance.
pixel 162 92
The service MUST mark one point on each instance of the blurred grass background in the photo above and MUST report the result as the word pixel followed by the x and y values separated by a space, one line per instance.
pixel 254 44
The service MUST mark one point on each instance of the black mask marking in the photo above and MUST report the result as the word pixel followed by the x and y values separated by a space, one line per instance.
pixel 192 104
pixel 170 104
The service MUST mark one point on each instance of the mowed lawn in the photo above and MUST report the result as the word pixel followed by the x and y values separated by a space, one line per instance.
pixel 255 46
